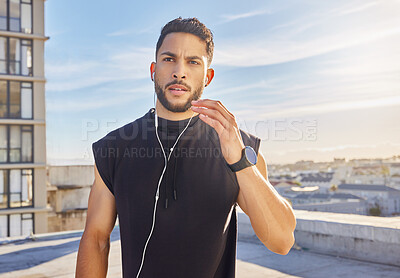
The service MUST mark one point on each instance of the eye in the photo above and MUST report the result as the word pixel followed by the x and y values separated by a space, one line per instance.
pixel 194 62
pixel 168 59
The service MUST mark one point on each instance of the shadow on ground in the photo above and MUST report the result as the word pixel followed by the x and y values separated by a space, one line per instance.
pixel 27 258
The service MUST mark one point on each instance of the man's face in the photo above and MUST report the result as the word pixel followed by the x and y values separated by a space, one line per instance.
pixel 181 62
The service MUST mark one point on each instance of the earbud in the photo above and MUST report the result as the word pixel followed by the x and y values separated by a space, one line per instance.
pixel 152 75
pixel 205 85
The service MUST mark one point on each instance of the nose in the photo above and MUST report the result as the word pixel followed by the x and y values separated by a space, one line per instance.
pixel 179 71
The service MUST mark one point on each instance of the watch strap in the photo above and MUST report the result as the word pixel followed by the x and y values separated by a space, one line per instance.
pixel 241 164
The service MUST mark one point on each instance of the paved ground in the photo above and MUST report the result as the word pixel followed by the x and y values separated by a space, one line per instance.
pixel 56 257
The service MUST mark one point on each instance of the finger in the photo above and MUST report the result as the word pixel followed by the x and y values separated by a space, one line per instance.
pixel 213 123
pixel 216 104
pixel 212 113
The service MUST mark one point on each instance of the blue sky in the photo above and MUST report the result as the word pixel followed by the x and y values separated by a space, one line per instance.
pixel 314 79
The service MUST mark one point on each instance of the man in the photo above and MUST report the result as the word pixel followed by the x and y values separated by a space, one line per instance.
pixel 212 165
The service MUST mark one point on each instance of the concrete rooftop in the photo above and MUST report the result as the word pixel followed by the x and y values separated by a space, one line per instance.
pixel 54 255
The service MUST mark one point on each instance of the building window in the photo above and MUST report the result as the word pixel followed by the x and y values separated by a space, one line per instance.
pixel 16 56
pixel 16 15
pixel 3 189
pixel 16 188
pixel 16 225
pixel 16 143
pixel 16 100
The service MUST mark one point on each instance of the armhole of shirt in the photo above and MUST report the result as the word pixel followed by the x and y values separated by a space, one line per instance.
pixel 104 161
pixel 251 140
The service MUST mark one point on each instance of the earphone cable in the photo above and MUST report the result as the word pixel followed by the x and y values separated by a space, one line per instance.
pixel 159 182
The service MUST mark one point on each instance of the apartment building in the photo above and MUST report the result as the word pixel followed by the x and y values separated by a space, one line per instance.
pixel 22 118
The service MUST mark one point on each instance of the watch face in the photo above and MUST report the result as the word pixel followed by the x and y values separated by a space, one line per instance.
pixel 251 155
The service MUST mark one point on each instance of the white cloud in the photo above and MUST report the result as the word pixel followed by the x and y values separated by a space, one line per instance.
pixel 271 51
pixel 261 85
pixel 305 21
pixel 129 31
pixel 119 33
pixel 358 9
pixel 286 42
pixel 128 64
pixel 284 97
pixel 283 110
pixel 233 17
pixel 376 58
pixel 113 99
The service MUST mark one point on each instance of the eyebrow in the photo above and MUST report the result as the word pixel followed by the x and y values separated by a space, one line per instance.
pixel 168 53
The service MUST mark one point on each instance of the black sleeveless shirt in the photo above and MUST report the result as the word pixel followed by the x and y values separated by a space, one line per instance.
pixel 195 230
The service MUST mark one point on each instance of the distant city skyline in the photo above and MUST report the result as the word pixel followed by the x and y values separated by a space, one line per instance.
pixel 314 80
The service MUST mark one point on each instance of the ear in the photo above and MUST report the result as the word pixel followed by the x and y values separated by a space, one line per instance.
pixel 152 70
pixel 209 76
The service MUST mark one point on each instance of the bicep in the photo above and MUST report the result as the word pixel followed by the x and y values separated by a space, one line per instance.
pixel 102 213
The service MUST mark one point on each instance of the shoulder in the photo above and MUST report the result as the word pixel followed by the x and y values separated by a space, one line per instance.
pixel 124 134
pixel 250 139
pixel 254 141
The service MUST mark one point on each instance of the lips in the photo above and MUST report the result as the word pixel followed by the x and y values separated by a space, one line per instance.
pixel 177 90
pixel 177 87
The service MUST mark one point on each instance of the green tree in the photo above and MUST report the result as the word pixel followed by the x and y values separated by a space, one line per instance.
pixel 375 211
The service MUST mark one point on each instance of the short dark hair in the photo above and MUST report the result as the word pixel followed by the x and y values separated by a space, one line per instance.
pixel 191 26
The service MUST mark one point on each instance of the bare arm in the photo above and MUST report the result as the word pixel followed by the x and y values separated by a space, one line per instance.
pixel 94 246
pixel 271 216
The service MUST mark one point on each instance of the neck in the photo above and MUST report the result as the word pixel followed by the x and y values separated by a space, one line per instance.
pixel 173 116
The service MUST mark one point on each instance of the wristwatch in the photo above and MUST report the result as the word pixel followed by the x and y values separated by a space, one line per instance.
pixel 249 158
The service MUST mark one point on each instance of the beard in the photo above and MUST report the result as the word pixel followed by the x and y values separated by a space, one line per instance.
pixel 161 96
